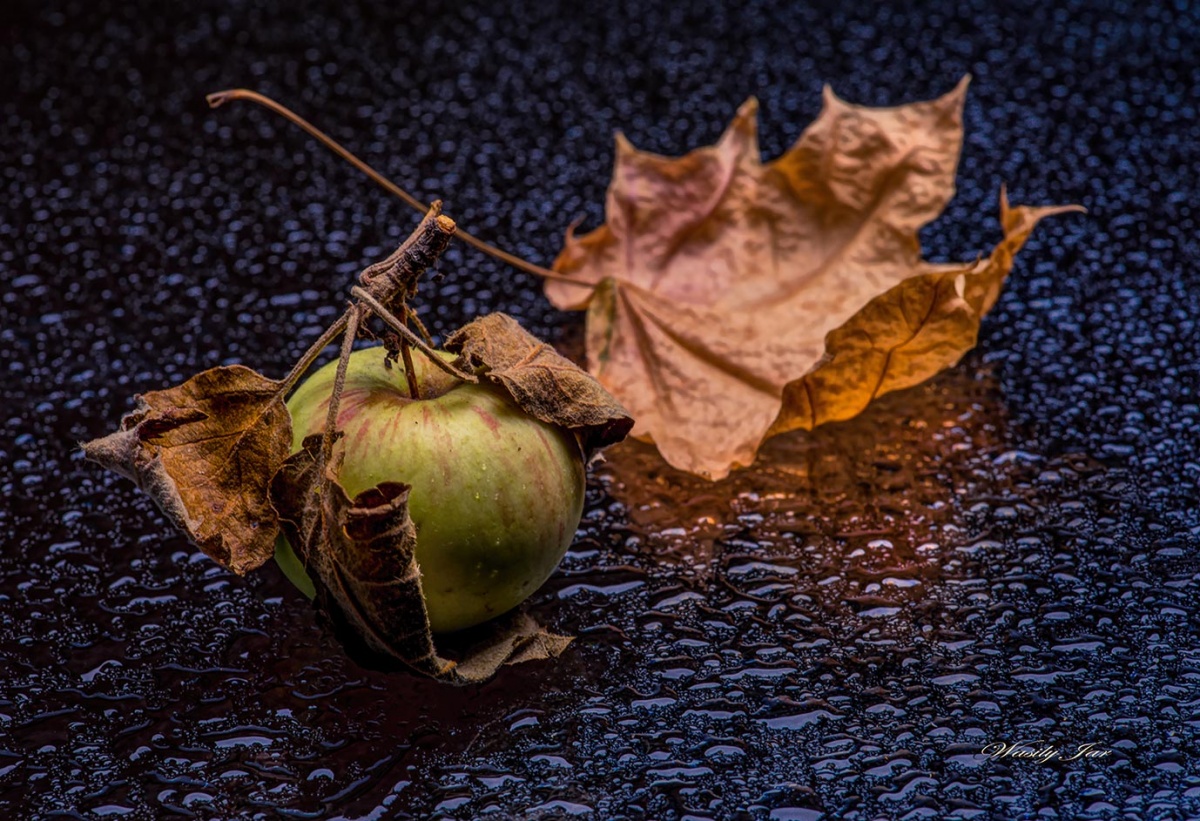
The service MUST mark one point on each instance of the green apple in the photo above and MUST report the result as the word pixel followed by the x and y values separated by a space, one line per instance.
pixel 496 494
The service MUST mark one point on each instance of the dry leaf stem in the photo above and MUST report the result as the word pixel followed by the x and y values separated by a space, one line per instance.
pixel 305 362
pixel 219 98
pixel 339 382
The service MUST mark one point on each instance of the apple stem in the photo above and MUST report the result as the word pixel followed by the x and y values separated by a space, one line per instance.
pixel 219 98
pixel 395 324
pixel 410 373
pixel 353 315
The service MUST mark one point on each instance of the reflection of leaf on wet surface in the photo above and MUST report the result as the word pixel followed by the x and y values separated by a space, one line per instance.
pixel 802 474
pixel 847 501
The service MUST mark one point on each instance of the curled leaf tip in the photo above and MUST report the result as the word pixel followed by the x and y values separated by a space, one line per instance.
pixel 543 383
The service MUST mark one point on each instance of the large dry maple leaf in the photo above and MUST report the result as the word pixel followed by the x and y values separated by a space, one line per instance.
pixel 732 300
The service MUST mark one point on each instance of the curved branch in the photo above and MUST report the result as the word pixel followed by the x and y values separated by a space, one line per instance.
pixel 219 98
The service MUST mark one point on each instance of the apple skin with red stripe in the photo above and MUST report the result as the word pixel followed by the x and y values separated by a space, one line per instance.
pixel 496 494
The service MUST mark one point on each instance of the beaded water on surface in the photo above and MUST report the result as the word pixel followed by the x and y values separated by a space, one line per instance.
pixel 1007 553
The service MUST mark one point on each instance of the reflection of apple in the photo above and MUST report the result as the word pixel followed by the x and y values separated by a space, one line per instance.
pixel 496 495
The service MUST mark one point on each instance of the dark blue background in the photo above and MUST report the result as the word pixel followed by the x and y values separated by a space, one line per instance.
pixel 1006 553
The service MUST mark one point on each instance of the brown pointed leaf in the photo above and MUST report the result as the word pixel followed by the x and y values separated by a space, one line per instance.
pixel 205 451
pixel 907 334
pixel 545 384
pixel 360 554
pixel 726 293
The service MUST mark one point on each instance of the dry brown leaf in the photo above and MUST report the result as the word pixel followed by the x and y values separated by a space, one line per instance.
pixel 205 451
pixel 360 554
pixel 730 300
pixel 544 384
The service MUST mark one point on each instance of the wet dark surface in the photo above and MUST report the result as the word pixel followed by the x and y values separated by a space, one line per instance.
pixel 1007 553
